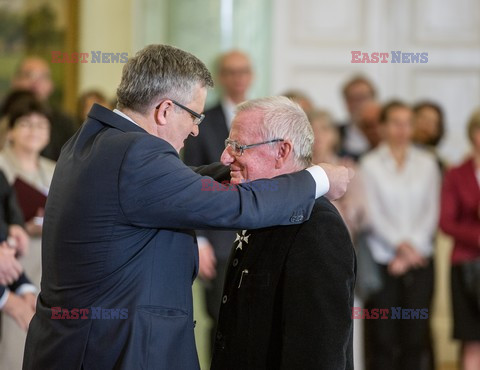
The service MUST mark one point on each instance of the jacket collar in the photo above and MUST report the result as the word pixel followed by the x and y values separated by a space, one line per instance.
pixel 109 118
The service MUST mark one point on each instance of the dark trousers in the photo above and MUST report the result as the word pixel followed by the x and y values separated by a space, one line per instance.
pixel 213 298
pixel 401 343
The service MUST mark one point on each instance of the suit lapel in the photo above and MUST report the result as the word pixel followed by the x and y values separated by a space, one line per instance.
pixel 269 244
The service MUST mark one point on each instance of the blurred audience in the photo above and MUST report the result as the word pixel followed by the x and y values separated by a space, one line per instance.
pixel 301 99
pixel 33 74
pixel 352 206
pixel 30 174
pixel 17 294
pixel 86 101
pixel 460 218
pixel 429 127
pixel 234 75
pixel 357 92
pixel 369 123
pixel 402 184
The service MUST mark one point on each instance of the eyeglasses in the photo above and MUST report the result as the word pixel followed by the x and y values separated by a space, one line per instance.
pixel 238 149
pixel 41 124
pixel 197 117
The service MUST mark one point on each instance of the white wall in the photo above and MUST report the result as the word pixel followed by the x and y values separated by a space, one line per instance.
pixel 313 40
pixel 106 26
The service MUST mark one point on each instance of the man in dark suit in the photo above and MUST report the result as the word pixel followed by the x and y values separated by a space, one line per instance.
pixel 33 74
pixel 119 253
pixel 354 136
pixel 234 74
pixel 289 289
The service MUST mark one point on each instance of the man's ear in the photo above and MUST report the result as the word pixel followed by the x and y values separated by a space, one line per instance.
pixel 162 111
pixel 285 151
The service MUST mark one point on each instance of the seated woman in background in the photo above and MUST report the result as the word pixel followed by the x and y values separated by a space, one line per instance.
pixel 30 174
pixel 460 218
pixel 402 184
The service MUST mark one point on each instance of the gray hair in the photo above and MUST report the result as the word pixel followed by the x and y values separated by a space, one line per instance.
pixel 284 119
pixel 160 71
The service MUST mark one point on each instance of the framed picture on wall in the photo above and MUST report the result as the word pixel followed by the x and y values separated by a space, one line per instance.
pixel 37 28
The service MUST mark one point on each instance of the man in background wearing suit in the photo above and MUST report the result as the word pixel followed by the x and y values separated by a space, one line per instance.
pixel 119 251
pixel 34 74
pixel 354 141
pixel 288 297
pixel 235 77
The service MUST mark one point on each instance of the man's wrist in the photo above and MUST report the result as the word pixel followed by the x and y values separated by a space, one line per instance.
pixel 202 242
pixel 322 184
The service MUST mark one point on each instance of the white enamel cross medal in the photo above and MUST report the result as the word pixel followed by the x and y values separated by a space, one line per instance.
pixel 241 238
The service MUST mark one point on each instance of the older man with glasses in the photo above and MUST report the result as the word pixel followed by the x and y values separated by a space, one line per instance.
pixel 119 253
pixel 288 290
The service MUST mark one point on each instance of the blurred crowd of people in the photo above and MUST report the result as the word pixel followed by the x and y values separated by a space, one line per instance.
pixel 392 209
pixel 402 193
pixel 32 133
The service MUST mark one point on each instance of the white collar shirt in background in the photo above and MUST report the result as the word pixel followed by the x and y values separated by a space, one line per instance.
pixel 229 108
pixel 403 203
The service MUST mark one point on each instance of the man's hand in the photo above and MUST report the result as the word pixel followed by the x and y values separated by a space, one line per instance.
pixel 19 238
pixel 10 269
pixel 207 262
pixel 339 177
pixel 19 309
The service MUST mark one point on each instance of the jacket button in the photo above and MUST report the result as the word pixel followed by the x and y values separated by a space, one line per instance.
pixel 235 262
pixel 296 219
pixel 224 299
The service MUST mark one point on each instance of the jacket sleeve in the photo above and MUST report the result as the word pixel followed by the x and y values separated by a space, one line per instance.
pixel 318 297
pixel 13 213
pixel 157 190
pixel 451 203
pixel 217 171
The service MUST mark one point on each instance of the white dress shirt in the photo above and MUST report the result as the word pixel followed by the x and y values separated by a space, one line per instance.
pixel 403 203
pixel 229 108
pixel 355 141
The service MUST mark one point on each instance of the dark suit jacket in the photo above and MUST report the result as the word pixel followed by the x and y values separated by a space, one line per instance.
pixel 208 146
pixel 118 234
pixel 204 149
pixel 62 128
pixel 291 309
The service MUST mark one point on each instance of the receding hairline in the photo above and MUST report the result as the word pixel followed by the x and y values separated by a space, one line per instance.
pixel 234 52
pixel 28 59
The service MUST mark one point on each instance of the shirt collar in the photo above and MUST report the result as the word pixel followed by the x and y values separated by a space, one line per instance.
pixel 229 108
pixel 120 113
